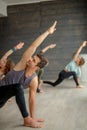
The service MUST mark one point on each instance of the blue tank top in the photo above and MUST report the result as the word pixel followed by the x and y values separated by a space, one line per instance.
pixel 13 77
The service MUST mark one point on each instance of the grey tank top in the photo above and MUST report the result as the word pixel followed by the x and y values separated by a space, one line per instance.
pixel 14 77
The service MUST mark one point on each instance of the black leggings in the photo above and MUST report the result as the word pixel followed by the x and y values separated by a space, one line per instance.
pixel 63 75
pixel 16 90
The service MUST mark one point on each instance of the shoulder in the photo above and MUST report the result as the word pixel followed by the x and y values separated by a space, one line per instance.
pixel 33 84
pixel 34 81
pixel 71 62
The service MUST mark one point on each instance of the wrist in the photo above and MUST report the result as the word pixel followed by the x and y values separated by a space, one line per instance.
pixel 14 49
pixel 48 31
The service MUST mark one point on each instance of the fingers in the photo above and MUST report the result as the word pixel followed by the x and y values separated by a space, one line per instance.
pixel 55 24
pixel 52 29
pixel 53 45
pixel 20 45
pixel 84 43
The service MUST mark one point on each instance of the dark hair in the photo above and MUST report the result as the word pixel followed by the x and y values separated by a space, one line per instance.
pixel 9 66
pixel 43 62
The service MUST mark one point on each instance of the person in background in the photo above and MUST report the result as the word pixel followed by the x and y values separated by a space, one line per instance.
pixel 7 64
pixel 41 71
pixel 73 69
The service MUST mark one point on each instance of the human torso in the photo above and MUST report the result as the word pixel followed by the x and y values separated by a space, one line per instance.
pixel 72 66
pixel 14 77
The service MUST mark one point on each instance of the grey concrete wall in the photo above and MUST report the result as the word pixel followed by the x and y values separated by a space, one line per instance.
pixel 26 22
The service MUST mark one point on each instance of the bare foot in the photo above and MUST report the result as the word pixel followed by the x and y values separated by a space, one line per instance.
pixel 29 122
pixel 79 86
pixel 39 120
pixel 41 91
pixel 10 100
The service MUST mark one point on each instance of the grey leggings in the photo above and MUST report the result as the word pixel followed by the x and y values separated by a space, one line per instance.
pixel 16 90
pixel 63 75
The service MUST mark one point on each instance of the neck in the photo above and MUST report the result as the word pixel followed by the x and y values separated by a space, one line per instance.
pixel 29 71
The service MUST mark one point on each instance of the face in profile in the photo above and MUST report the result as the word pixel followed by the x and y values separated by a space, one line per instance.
pixel 33 61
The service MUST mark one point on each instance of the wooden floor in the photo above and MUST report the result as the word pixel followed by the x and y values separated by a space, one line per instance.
pixel 63 108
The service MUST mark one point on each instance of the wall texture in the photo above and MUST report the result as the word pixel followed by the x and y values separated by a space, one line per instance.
pixel 26 22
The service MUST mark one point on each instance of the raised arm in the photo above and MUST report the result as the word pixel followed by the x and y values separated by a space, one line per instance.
pixel 8 53
pixel 79 50
pixel 48 47
pixel 32 48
